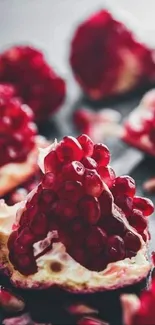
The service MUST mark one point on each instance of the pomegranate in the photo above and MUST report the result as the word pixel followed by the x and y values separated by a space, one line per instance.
pixel 18 143
pixel 106 58
pixel 40 88
pixel 139 129
pixel 139 311
pixel 69 235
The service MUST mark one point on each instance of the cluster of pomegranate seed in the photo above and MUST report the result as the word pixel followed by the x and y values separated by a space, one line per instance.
pixel 105 55
pixel 17 130
pixel 76 197
pixel 34 80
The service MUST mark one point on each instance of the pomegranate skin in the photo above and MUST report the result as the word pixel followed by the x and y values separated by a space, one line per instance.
pixel 41 87
pixel 104 55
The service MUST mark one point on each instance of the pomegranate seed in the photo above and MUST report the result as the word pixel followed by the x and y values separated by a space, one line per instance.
pixel 39 225
pixel 89 209
pixel 96 240
pixel 48 181
pixel 69 149
pixel 107 175
pixel 65 209
pixel 12 239
pixel 26 264
pixel 65 238
pixel 89 163
pixel 113 225
pixel 86 144
pixel 92 183
pixel 101 154
pixel 26 238
pixel 51 163
pixel 28 215
pixel 138 221
pixel 144 205
pixel 78 254
pixel 125 203
pixel 132 242
pixel 106 202
pixel 130 254
pixel 115 248
pixel 47 197
pixel 72 190
pixel 124 185
pixel 73 171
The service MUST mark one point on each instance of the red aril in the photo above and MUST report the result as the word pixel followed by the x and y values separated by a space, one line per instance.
pixel 106 201
pixel 143 204
pixel 93 183
pixel 89 209
pixel 132 242
pixel 73 171
pixel 101 154
pixel 72 190
pixel 51 162
pixel 89 163
pixel 48 181
pixel 124 202
pixel 115 248
pixel 96 240
pixel 107 175
pixel 86 144
pixel 124 185
pixel 69 149
pixel 39 225
pixel 138 221
pixel 65 210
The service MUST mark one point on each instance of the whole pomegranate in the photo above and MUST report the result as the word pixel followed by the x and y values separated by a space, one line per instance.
pixel 34 80
pixel 74 233
pixel 106 58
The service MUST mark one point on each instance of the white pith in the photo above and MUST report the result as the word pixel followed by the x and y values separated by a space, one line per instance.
pixel 14 174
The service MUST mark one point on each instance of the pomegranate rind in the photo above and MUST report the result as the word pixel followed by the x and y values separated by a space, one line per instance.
pixel 14 174
pixel 72 276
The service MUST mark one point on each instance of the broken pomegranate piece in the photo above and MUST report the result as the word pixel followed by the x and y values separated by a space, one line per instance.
pixel 19 143
pixel 106 58
pixel 139 311
pixel 69 232
pixel 139 129
pixel 40 88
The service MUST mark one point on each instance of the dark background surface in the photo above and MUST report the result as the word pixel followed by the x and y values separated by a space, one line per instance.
pixel 49 25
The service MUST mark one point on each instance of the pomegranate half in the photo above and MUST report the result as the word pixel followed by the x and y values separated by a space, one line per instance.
pixel 107 59
pixel 19 141
pixel 81 232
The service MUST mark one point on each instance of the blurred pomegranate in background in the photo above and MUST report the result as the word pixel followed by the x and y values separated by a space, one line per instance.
pixel 106 58
pixel 34 80
pixel 19 142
